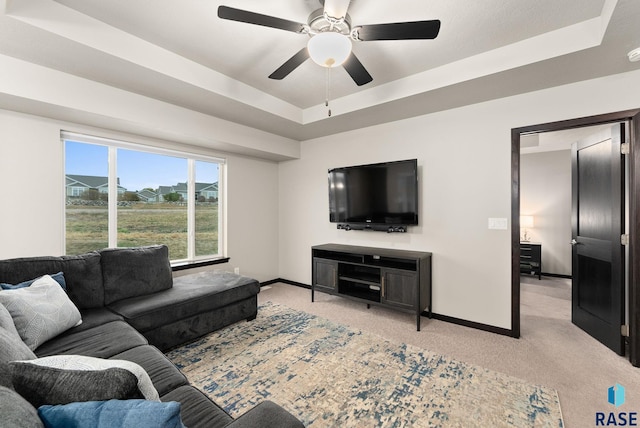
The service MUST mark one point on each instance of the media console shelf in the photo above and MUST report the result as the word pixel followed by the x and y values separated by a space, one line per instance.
pixel 397 279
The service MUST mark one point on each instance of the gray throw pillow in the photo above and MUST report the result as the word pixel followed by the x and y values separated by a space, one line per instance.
pixel 46 385
pixel 11 348
pixel 11 345
pixel 83 362
pixel 16 411
pixel 6 321
pixel 40 311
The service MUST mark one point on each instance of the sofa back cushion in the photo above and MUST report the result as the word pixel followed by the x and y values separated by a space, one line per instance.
pixel 137 271
pixel 82 274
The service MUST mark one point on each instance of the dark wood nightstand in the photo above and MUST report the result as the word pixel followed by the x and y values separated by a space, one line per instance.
pixel 531 258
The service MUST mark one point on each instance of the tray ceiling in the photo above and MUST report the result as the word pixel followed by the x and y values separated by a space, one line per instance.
pixel 182 53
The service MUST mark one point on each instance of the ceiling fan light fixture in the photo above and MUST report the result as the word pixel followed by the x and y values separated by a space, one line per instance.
pixel 336 9
pixel 329 49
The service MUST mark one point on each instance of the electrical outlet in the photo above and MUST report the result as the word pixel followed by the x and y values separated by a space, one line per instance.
pixel 236 271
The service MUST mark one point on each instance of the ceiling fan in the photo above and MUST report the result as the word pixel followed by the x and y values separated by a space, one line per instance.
pixel 331 35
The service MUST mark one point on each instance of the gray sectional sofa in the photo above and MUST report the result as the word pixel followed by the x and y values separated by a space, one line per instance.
pixel 131 308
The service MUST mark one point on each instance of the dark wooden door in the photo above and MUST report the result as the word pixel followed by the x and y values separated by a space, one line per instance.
pixel 597 226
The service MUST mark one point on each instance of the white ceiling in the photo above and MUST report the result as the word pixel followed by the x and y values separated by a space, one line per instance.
pixel 181 52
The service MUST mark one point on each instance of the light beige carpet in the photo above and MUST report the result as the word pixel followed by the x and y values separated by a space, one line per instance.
pixel 330 375
pixel 551 352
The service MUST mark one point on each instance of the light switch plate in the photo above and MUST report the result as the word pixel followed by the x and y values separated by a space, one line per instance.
pixel 498 223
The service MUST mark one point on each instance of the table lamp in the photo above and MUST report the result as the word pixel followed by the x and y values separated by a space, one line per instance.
pixel 526 222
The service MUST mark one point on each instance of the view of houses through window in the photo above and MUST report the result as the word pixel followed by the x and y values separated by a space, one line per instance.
pixel 144 198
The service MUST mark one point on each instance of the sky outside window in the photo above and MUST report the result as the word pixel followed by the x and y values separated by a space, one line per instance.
pixel 136 170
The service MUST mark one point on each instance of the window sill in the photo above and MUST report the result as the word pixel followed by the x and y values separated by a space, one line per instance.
pixel 199 263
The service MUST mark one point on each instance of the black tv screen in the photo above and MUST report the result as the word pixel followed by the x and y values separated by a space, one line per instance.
pixel 376 194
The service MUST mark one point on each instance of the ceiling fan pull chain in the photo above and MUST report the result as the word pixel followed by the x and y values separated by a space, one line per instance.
pixel 326 100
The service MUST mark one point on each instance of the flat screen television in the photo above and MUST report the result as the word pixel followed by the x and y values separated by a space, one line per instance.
pixel 382 194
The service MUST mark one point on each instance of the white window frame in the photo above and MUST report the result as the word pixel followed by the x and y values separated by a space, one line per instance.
pixel 113 145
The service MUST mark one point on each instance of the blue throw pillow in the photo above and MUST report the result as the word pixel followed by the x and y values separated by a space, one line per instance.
pixel 58 277
pixel 112 414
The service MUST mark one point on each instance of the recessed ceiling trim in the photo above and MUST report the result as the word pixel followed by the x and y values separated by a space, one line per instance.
pixel 563 41
pixel 56 94
pixel 58 19
pixel 55 18
pixel 607 12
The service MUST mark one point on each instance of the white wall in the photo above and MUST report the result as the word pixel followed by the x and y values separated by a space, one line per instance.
pixel 545 193
pixel 465 167
pixel 276 213
pixel 31 166
pixel 252 217
pixel 32 212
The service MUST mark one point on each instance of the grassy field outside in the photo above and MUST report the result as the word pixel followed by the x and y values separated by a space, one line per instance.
pixel 142 224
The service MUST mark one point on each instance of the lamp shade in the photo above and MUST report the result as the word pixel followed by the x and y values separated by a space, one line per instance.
pixel 329 49
pixel 526 221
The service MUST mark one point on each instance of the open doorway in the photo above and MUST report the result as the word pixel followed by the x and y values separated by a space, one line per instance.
pixel 633 301
pixel 545 197
pixel 546 232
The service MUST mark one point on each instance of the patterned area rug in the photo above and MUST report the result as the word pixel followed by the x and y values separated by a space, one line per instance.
pixel 330 375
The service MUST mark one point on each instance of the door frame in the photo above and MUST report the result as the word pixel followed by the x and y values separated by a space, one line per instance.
pixel 633 116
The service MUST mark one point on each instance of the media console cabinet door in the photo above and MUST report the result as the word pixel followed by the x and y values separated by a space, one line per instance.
pixel 400 288
pixel 325 274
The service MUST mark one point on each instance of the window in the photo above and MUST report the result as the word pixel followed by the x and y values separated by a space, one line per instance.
pixel 87 213
pixel 121 195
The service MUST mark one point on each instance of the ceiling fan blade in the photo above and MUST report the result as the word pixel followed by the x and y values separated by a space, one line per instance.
pixel 290 65
pixel 400 31
pixel 240 15
pixel 356 70
pixel 336 8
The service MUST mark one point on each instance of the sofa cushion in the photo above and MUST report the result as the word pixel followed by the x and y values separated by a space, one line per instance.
pixel 102 341
pixel 113 414
pixel 82 274
pixel 82 362
pixel 40 311
pixel 198 411
pixel 190 295
pixel 16 411
pixel 266 414
pixel 95 317
pixel 163 373
pixel 186 330
pixel 138 271
pixel 47 385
